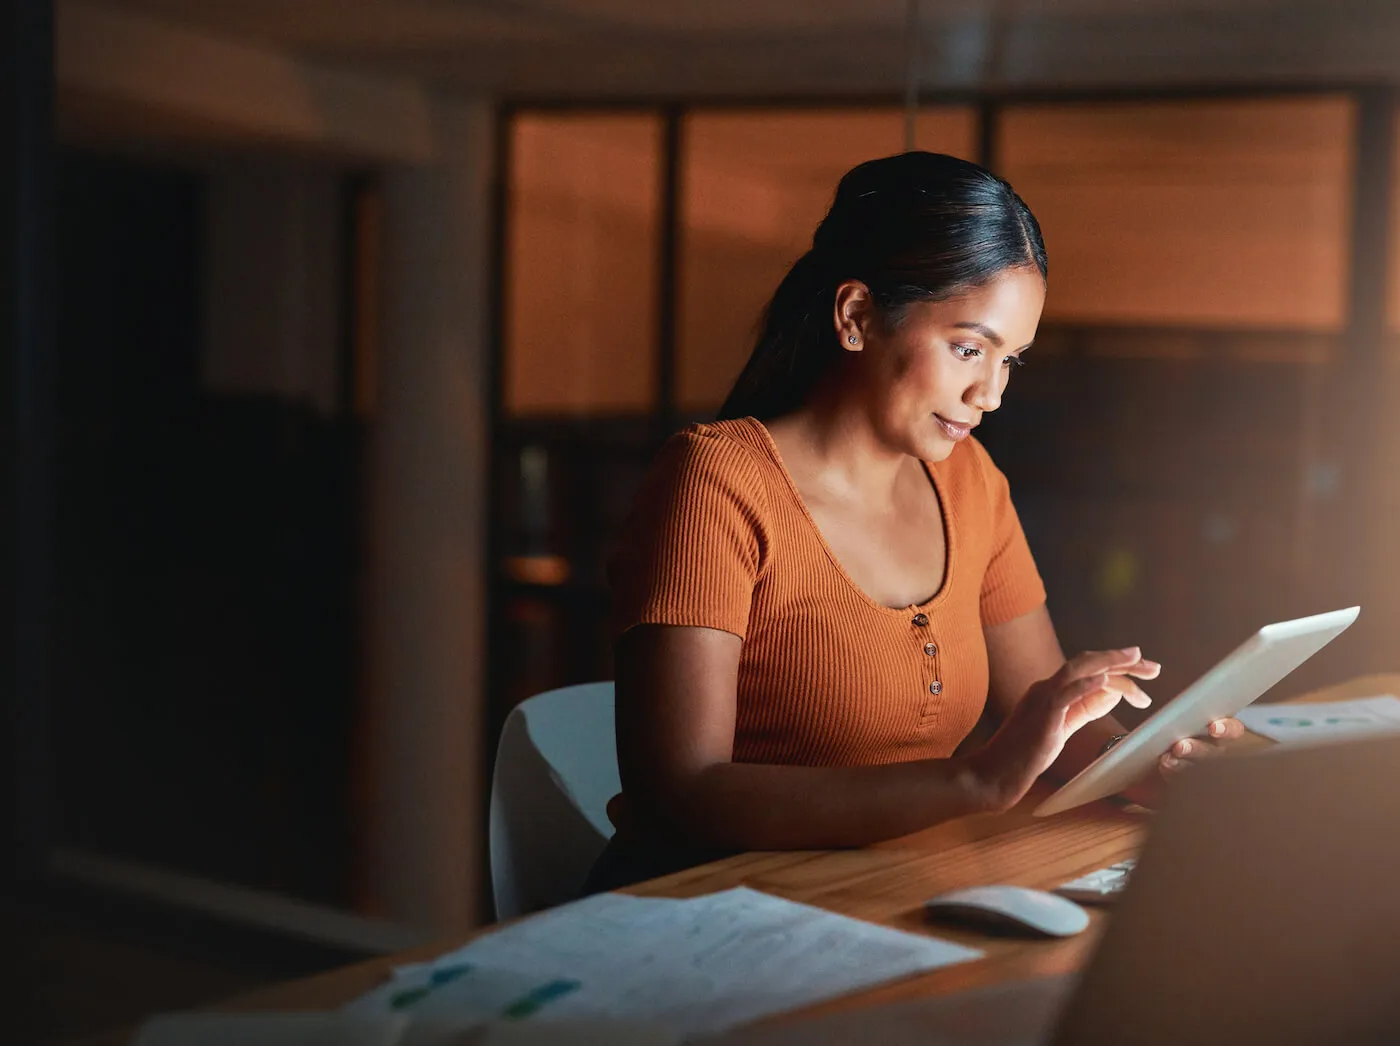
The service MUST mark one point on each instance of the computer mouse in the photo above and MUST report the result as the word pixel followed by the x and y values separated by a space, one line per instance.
pixel 1009 909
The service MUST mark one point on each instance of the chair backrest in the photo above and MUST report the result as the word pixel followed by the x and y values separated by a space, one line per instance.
pixel 556 769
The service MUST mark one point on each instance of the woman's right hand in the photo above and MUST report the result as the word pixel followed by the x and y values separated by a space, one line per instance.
pixel 1086 687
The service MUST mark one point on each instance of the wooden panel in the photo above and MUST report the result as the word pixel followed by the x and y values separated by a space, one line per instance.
pixel 755 186
pixel 1209 213
pixel 581 266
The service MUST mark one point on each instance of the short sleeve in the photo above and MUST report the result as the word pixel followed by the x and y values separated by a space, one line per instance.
pixel 695 542
pixel 1012 585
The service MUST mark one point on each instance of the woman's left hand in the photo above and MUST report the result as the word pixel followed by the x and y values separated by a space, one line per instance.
pixel 1182 755
pixel 1196 749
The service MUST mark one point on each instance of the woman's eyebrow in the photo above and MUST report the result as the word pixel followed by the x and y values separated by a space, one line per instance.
pixel 982 329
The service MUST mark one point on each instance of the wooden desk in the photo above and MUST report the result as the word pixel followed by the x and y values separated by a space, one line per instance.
pixel 885 884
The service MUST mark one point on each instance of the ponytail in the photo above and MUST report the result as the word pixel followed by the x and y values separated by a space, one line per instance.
pixel 779 374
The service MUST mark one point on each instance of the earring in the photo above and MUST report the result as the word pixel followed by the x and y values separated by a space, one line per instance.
pixel 853 340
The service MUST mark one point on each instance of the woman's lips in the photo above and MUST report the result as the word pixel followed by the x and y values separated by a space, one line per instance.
pixel 954 430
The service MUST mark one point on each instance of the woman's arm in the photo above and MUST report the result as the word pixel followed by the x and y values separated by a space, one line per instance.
pixel 676 691
pixel 676 688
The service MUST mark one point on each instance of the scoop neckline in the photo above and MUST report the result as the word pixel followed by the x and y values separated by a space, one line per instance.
pixel 945 512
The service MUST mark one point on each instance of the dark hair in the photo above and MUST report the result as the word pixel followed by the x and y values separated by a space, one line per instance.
pixel 913 227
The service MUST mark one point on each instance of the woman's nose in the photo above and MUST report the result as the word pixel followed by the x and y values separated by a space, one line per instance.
pixel 984 395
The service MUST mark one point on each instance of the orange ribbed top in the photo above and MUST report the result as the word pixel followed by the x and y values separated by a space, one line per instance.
pixel 719 537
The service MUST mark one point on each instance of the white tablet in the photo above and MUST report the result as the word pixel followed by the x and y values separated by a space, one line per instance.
pixel 1257 664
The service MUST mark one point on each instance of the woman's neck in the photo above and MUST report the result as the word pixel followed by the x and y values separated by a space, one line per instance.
pixel 831 441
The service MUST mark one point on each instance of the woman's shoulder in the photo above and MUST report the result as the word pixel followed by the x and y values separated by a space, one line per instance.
pixel 729 450
pixel 720 455
pixel 724 437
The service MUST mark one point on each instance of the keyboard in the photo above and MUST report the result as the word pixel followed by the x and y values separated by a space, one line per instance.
pixel 1098 887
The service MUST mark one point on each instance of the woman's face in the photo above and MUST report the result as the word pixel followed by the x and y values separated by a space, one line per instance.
pixel 928 381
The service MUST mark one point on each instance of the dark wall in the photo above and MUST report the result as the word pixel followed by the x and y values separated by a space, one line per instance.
pixel 206 566
pixel 26 418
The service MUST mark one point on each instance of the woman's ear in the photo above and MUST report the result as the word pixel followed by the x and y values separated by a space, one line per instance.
pixel 852 314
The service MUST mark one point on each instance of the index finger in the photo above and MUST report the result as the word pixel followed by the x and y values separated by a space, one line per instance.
pixel 1144 669
pixel 1092 662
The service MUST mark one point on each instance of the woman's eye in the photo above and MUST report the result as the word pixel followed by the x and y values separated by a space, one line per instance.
pixel 1013 361
pixel 967 352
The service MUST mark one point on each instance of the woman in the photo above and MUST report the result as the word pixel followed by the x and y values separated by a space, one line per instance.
pixel 817 594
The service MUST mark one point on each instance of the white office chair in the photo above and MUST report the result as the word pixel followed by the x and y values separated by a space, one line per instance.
pixel 556 769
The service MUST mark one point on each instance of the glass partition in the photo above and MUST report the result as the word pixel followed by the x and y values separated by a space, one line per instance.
pixel 581 267
pixel 1219 214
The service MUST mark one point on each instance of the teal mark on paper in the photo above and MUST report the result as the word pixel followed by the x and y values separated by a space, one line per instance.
pixel 403 1000
pixel 532 1001
pixel 443 975
pixel 528 1004
pixel 1331 720
pixel 448 974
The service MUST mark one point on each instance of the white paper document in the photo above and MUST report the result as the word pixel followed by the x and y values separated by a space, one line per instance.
pixel 692 966
pixel 1324 721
